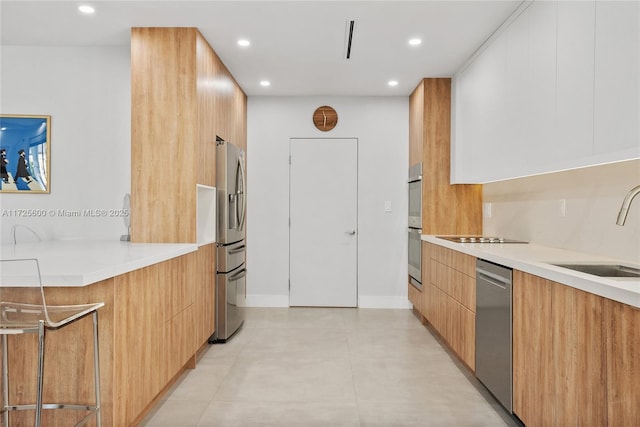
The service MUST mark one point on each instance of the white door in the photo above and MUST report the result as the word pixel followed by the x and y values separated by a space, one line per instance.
pixel 323 210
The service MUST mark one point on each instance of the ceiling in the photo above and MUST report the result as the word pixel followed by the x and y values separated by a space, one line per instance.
pixel 299 46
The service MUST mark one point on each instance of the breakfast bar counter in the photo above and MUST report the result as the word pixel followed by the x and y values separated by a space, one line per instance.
pixel 159 311
pixel 83 262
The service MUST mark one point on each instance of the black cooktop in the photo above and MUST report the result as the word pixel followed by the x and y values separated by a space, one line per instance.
pixel 479 239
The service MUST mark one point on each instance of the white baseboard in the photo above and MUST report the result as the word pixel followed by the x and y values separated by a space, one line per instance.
pixel 267 301
pixel 383 302
pixel 363 301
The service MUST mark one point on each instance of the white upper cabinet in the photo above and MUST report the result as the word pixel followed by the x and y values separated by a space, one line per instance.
pixel 617 78
pixel 530 117
pixel 482 88
pixel 574 80
pixel 556 88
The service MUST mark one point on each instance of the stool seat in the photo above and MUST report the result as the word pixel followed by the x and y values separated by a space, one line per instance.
pixel 23 318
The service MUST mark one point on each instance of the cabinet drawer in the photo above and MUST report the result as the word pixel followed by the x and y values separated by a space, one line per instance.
pixel 457 285
pixel 415 297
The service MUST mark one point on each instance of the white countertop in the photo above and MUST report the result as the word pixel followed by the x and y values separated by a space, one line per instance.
pixel 83 262
pixel 536 259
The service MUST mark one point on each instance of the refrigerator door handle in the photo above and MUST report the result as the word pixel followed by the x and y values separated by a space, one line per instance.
pixel 241 193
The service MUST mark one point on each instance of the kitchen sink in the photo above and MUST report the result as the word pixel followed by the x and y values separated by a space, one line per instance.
pixel 603 270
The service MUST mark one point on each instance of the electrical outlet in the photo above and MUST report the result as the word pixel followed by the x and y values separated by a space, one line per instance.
pixel 487 210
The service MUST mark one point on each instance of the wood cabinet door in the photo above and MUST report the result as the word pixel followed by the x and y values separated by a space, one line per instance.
pixel 462 332
pixel 533 367
pixel 415 297
pixel 622 323
pixel 436 309
pixel 559 376
pixel 427 250
pixel 579 357
pixel 416 124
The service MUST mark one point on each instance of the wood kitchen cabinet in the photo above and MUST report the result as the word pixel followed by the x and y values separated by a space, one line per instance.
pixel 182 97
pixel 622 329
pixel 448 298
pixel 416 124
pixel 148 334
pixel 446 208
pixel 559 354
pixel 533 383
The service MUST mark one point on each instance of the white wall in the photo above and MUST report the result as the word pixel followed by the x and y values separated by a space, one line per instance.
pixel 381 126
pixel 530 209
pixel 86 90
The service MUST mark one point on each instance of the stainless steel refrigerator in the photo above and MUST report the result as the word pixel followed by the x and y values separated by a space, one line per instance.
pixel 231 249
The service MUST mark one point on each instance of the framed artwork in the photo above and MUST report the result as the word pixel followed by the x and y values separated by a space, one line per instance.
pixel 25 150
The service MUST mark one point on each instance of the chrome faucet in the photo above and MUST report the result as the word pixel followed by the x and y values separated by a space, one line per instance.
pixel 624 209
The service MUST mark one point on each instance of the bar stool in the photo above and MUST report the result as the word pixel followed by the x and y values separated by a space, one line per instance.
pixel 20 318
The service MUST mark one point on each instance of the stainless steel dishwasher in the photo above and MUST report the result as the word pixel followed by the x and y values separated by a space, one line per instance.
pixel 493 330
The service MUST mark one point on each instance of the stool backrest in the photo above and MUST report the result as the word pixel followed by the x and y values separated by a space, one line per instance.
pixel 22 273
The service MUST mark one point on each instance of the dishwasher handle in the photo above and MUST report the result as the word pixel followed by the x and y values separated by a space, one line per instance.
pixel 494 279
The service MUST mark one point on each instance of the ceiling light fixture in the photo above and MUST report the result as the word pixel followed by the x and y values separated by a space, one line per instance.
pixel 86 9
pixel 265 83
pixel 244 42
pixel 393 83
pixel 415 42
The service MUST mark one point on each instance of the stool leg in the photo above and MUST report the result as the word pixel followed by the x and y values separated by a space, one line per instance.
pixel 96 368
pixel 5 381
pixel 40 373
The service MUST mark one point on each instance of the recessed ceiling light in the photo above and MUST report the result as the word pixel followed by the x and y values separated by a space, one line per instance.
pixel 393 83
pixel 86 9
pixel 3 128
pixel 265 83
pixel 244 42
pixel 415 42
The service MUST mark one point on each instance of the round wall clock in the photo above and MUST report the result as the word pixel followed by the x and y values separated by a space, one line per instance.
pixel 325 118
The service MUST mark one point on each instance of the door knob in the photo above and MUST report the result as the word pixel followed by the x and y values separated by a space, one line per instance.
pixel 350 233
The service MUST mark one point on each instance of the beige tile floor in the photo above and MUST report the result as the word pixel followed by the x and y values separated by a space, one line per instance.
pixel 328 367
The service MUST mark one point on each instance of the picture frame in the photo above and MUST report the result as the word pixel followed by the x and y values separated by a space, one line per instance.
pixel 25 154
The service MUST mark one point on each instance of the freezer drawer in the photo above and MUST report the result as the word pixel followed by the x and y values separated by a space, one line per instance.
pixel 231 293
pixel 231 256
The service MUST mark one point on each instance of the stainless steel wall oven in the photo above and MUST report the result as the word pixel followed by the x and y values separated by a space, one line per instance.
pixel 415 225
pixel 415 196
